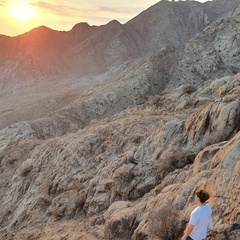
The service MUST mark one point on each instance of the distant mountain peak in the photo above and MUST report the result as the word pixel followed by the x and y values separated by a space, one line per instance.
pixel 81 25
pixel 114 22
pixel 41 28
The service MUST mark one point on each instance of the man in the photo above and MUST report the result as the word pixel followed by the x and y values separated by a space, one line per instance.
pixel 200 217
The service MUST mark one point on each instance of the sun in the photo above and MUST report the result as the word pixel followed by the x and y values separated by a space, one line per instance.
pixel 23 12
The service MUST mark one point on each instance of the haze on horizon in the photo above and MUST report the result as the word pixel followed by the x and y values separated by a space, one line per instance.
pixel 19 16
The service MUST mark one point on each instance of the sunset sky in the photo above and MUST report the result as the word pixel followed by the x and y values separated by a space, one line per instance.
pixel 19 16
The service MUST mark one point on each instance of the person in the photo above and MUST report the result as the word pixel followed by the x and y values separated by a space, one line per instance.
pixel 197 227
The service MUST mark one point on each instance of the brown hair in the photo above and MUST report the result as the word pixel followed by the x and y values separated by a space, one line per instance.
pixel 203 195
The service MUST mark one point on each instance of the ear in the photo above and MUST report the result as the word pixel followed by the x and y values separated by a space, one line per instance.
pixel 197 199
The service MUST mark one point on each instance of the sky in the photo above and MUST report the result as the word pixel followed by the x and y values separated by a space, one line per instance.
pixel 20 16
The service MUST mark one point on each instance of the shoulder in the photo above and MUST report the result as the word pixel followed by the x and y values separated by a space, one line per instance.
pixel 209 207
pixel 196 210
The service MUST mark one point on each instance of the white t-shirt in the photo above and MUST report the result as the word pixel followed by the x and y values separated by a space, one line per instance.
pixel 200 218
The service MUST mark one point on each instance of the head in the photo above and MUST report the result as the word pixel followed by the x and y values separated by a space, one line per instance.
pixel 202 195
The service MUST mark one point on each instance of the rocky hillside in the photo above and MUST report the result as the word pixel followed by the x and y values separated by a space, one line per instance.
pixel 44 70
pixel 213 54
pixel 130 153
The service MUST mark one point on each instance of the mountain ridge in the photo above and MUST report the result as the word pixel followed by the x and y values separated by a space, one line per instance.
pixel 90 49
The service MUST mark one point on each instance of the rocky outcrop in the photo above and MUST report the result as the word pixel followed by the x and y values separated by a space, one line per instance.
pixel 114 172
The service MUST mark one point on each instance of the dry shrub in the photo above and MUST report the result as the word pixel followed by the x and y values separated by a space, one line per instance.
pixel 188 88
pixel 43 201
pixel 213 138
pixel 58 213
pixel 171 160
pixel 164 223
pixel 154 100
pixel 25 168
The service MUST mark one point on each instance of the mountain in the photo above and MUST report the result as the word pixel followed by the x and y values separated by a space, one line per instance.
pixel 119 155
pixel 44 53
pixel 88 55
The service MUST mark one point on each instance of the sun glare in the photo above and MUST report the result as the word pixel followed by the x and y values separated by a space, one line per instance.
pixel 23 12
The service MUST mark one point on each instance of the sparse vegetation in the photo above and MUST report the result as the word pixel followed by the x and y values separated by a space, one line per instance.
pixel 25 169
pixel 164 223
pixel 188 89
pixel 213 138
pixel 171 160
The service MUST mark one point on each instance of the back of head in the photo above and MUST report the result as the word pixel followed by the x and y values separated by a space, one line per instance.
pixel 203 195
